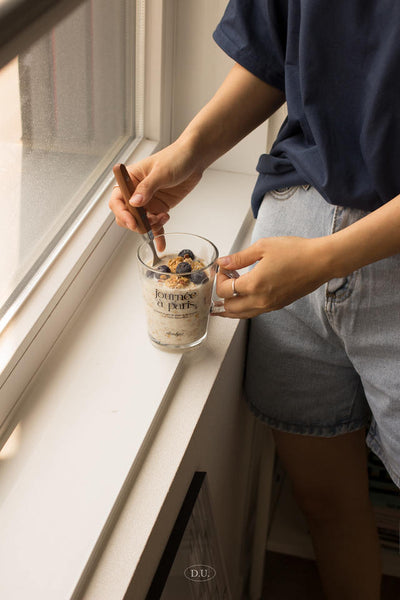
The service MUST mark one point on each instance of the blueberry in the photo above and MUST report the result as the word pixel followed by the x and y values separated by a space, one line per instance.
pixel 183 268
pixel 186 254
pixel 162 269
pixel 149 274
pixel 199 277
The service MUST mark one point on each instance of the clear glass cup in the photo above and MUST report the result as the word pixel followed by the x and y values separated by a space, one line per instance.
pixel 178 302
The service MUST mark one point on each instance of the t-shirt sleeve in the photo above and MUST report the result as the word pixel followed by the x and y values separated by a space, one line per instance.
pixel 249 33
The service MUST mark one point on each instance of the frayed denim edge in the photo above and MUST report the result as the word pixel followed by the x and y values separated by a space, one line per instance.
pixel 301 430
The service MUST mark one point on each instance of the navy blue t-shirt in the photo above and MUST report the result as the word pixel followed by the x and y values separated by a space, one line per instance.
pixel 338 63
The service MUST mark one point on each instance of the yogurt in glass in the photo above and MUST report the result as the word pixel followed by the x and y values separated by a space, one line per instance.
pixel 177 290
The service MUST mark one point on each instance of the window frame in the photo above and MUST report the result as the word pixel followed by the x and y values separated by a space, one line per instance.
pixel 71 271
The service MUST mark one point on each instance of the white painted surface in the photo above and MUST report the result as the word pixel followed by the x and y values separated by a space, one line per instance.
pixel 89 409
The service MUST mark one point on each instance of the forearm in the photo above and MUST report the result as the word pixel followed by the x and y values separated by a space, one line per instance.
pixel 241 104
pixel 372 238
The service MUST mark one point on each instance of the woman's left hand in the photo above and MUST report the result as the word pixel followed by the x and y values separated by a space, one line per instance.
pixel 287 268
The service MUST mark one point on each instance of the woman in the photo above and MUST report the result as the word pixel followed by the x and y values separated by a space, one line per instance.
pixel 323 296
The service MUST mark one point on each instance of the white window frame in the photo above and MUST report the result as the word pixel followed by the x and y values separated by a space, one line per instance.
pixel 70 273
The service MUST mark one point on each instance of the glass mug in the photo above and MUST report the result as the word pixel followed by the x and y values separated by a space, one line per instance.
pixel 178 289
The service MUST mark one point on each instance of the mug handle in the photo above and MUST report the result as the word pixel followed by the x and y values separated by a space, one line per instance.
pixel 217 303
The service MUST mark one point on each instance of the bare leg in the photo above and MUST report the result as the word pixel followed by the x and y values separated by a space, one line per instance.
pixel 330 483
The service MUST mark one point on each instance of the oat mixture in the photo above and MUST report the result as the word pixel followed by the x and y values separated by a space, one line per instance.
pixel 177 295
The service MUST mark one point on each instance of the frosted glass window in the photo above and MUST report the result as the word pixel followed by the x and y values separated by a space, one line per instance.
pixel 66 111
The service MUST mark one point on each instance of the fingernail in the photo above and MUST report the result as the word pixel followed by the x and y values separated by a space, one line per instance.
pixel 136 199
pixel 224 261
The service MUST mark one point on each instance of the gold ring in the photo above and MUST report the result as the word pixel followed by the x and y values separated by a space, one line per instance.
pixel 234 292
pixel 114 186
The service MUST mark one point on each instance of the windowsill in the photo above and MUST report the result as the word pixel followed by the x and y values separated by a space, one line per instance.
pixel 90 414
pixel 56 289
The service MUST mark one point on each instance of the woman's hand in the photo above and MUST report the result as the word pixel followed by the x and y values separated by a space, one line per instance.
pixel 287 268
pixel 241 103
pixel 161 182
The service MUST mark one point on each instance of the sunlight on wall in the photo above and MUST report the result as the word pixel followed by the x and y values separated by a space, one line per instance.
pixel 10 448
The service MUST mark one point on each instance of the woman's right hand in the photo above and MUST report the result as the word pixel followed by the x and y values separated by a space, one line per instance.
pixel 241 103
pixel 161 182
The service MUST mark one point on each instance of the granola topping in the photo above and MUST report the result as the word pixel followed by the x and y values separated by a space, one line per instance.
pixel 176 280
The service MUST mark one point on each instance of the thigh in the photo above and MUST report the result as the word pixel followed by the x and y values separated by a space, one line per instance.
pixel 327 474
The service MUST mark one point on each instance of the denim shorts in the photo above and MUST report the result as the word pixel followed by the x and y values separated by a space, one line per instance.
pixel 329 363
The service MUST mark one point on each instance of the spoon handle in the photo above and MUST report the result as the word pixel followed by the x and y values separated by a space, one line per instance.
pixel 127 188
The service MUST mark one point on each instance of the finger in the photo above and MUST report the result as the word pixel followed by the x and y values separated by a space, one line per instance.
pixel 157 222
pixel 240 306
pixel 147 187
pixel 160 240
pixel 241 259
pixel 124 223
pixel 126 220
pixel 226 286
pixel 220 285
pixel 116 202
pixel 243 306
pixel 229 273
pixel 234 308
pixel 123 217
pixel 158 232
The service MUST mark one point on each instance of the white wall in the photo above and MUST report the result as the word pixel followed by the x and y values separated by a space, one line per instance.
pixel 200 66
pixel 274 124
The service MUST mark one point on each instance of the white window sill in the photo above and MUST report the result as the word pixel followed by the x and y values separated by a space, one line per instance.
pixel 90 414
pixel 55 290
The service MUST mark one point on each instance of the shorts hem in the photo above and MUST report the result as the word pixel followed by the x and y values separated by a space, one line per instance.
pixel 375 446
pixel 315 430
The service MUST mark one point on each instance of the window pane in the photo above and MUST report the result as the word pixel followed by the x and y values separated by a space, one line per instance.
pixel 66 112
